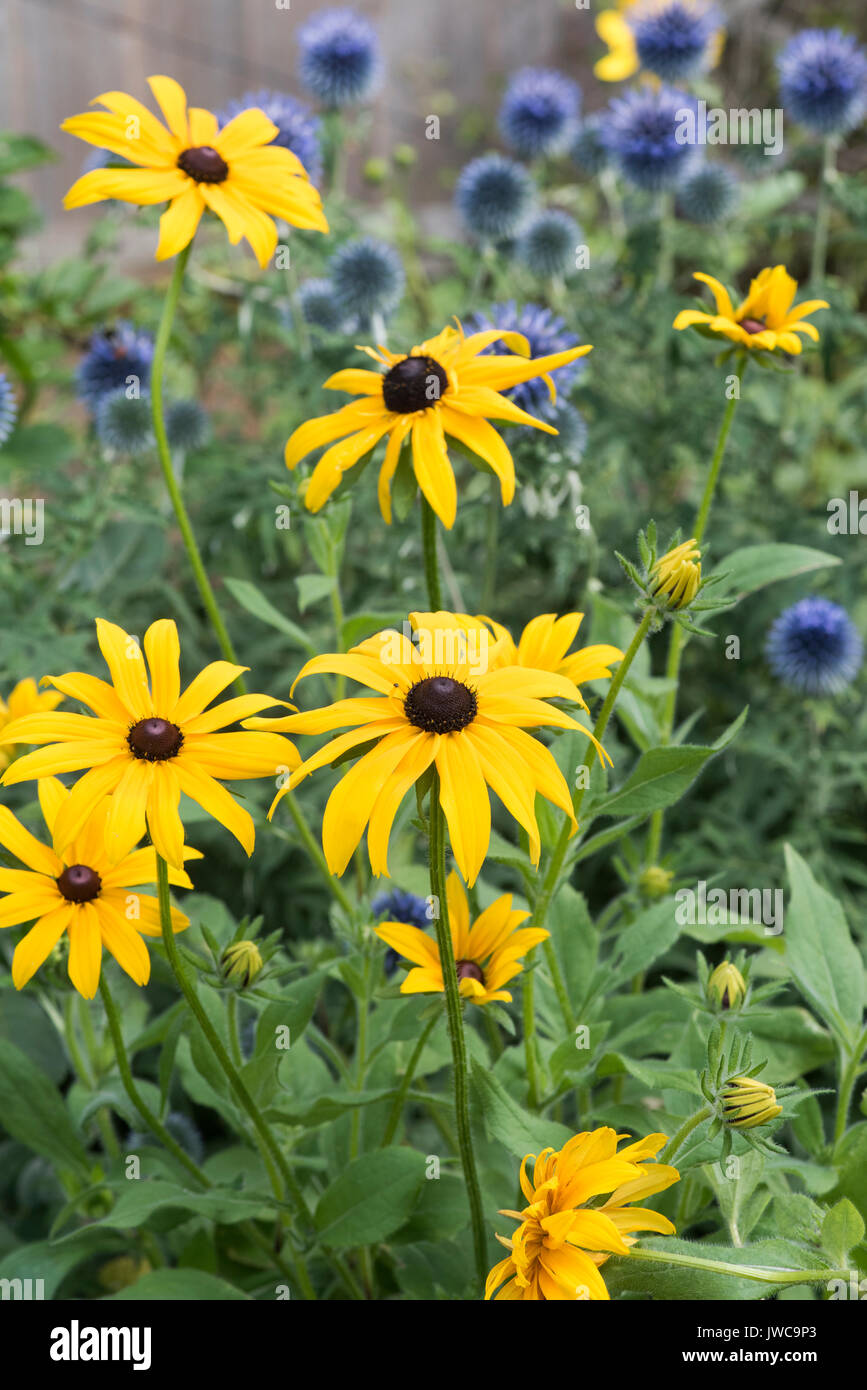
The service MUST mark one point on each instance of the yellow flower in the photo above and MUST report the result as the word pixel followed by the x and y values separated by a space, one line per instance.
pixel 621 61
pixel 445 386
pixel 748 1102
pixel 726 985
pixel 75 888
pixel 487 953
pixel 677 574
pixel 562 1239
pixel 767 318
pixel 440 703
pixel 24 699
pixel 148 743
pixel 193 165
pixel 544 645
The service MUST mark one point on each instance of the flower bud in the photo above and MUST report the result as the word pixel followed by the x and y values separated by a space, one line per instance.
pixel 404 156
pixel 376 169
pixel 677 574
pixel 241 962
pixel 655 881
pixel 748 1102
pixel 726 987
pixel 122 1272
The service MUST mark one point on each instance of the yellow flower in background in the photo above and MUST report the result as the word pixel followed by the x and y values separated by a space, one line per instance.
pixel 767 319
pixel 677 574
pixel 76 889
pixel 544 645
pixel 444 703
pixel 24 699
pixel 487 952
pixel 193 165
pixel 447 386
pixel 621 60
pixel 564 1234
pixel 147 743
pixel 748 1102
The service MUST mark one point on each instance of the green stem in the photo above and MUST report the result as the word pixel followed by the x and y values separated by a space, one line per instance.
pixel 683 1133
pixel 528 1018
pixel 234 1038
pixel 75 1053
pixel 311 845
pixel 492 531
pixel 429 550
pixel 456 1027
pixel 338 616
pixel 758 1273
pixel 362 1007
pixel 848 1077
pixel 406 1081
pixel 823 213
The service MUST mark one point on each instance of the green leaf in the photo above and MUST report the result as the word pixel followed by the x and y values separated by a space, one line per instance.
pixel 575 941
pixel 506 1121
pixel 51 1261
pixel 32 1111
pixel 293 1010
pixel 842 1230
pixel 179 1286
pixel 139 1201
pixel 324 1108
pixel 652 933
pixel 820 952
pixel 850 1160
pixel 373 1197
pixel 754 566
pixel 671 1282
pixel 362 625
pixel 662 775
pixel 256 603
pixel 312 588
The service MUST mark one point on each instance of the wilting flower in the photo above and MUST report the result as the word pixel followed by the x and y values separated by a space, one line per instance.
pixel 674 38
pixel 440 704
pixel 677 574
pixel 125 423
pixel 588 149
pixel 815 647
pixel 708 195
pixel 621 60
pixel 193 165
pixel 368 278
pixel 187 425
pixel 147 743
pixel 493 196
pixel 823 81
pixel 488 952
pixel 445 386
pixel 8 408
pixel 241 962
pixel 116 357
pixel 748 1102
pixel 75 887
pixel 548 243
pixel 319 305
pixel 726 986
pixel 539 109
pixel 564 1233
pixel 340 60
pixel 765 320
pixel 546 335
pixel 24 699
pixel 649 135
pixel 297 127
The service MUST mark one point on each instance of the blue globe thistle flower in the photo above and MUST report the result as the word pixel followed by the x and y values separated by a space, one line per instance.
pixel 653 136
pixel 823 81
pixel 124 423
pixel 493 196
pixel 298 126
pixel 340 60
pixel 539 111
pixel 115 355
pixel 546 332
pixel 8 408
pixel 709 194
pixel 398 906
pixel 571 430
pixel 588 149
pixel 814 647
pixel 187 425
pixel 672 37
pixel 368 278
pixel 319 305
pixel 548 243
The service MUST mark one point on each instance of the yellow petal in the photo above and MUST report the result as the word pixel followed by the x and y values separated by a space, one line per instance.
pixel 179 222
pixel 172 101
pixel 465 801
pixel 214 799
pixel 126 823
pixel 35 948
pixel 432 467
pixel 163 820
pixel 125 662
pixel 163 651
pixel 244 132
pixel 482 438
pixel 140 186
pixel 24 846
pixel 203 688
pixel 350 804
pixel 124 942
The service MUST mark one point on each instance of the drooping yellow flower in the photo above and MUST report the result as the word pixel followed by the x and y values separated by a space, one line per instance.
pixel 447 386
pixel 193 165
pixel 544 645
pixel 677 574
pixel 767 319
pixel 748 1102
pixel 24 699
pixel 76 889
pixel 488 952
pixel 148 743
pixel 564 1236
pixel 443 702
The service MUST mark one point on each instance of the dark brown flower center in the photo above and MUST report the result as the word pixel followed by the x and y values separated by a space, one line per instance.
pixel 416 383
pixel 154 740
pixel 204 164
pixel 753 325
pixel 468 970
pixel 440 705
pixel 79 884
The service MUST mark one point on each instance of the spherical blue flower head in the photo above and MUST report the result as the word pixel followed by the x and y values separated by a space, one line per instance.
pixel 823 81
pixel 673 39
pixel 113 357
pixel 368 278
pixel 493 197
pixel 653 135
pixel 814 647
pixel 539 111
pixel 187 425
pixel 588 149
pixel 398 906
pixel 546 333
pixel 8 409
pixel 549 242
pixel 571 430
pixel 709 194
pixel 124 423
pixel 298 127
pixel 340 61
pixel 319 305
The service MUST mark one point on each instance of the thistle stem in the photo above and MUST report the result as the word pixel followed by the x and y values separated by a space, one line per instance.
pixel 823 212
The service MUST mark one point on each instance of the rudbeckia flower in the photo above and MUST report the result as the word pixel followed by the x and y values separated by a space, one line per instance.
pixel 442 703
pixel 487 953
pixel 544 646
pixel 677 574
pixel 148 743
pixel 24 699
pixel 194 165
pixel 765 320
pixel 448 385
pixel 75 888
pixel 621 60
pixel 564 1234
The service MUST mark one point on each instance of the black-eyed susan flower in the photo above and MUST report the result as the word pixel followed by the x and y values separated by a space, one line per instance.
pixel 24 699
pixel 146 743
pixel 443 702
pixel 488 952
pixel 677 574
pixel 565 1233
pixel 748 1102
pixel 766 320
pixel 194 166
pixel 445 387
pixel 76 888
pixel 544 646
